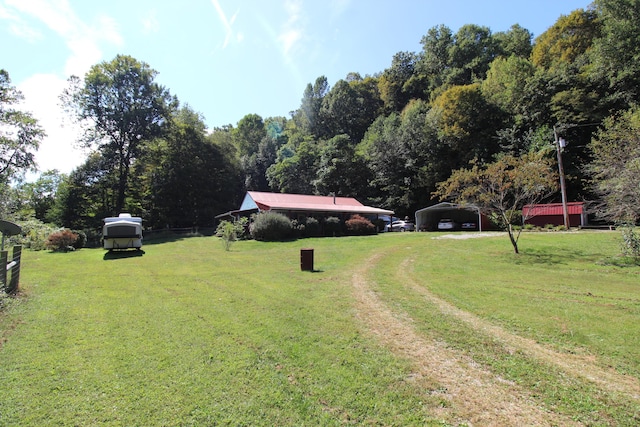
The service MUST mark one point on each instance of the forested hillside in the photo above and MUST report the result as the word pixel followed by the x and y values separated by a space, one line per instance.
pixel 387 139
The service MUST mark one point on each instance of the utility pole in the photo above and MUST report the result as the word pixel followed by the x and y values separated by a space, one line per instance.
pixel 560 144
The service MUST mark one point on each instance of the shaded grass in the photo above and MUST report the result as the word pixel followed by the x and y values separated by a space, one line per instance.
pixel 188 334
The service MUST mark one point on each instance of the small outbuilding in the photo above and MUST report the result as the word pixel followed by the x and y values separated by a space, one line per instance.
pixel 541 215
pixel 427 219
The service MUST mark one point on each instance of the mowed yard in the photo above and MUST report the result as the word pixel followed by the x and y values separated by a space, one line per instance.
pixel 395 329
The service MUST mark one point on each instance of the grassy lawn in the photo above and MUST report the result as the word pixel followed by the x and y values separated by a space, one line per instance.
pixel 188 334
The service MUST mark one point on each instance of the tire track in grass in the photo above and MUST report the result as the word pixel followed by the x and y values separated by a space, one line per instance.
pixel 578 366
pixel 475 395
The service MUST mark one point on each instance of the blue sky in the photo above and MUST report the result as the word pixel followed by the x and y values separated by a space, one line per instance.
pixel 227 58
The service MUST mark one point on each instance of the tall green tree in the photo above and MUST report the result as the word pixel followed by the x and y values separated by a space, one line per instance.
pixel 20 133
pixel 296 167
pixel 617 51
pixel 405 157
pixel 467 123
pixel 38 197
pixel 435 57
pixel 395 85
pixel 565 41
pixel 517 41
pixel 341 171
pixel 506 88
pixel 307 116
pixel 87 194
pixel 350 107
pixel 190 179
pixel 474 49
pixel 121 107
pixel 615 168
pixel 248 134
pixel 506 82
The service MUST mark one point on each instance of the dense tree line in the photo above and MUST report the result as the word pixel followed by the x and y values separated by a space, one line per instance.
pixel 386 139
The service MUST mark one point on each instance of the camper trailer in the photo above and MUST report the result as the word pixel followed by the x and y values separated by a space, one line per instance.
pixel 122 232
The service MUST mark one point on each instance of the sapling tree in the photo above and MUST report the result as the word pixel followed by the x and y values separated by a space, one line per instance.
pixel 229 232
pixel 502 188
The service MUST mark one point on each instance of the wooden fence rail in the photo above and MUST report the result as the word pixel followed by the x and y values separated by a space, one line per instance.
pixel 10 270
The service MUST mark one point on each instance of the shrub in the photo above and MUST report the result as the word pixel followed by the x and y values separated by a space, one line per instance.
pixel 332 226
pixel 271 226
pixel 229 232
pixel 62 240
pixel 34 235
pixel 312 227
pixel 630 241
pixel 81 241
pixel 380 224
pixel 359 225
pixel 297 227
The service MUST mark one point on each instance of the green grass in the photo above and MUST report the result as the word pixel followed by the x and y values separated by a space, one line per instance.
pixel 189 334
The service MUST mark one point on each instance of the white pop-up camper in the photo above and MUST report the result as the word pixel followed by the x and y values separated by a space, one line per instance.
pixel 122 232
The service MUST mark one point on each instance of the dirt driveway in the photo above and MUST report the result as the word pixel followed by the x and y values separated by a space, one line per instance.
pixel 475 395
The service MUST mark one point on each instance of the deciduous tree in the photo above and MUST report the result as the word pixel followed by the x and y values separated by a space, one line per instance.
pixel 120 107
pixel 615 167
pixel 190 179
pixel 502 188
pixel 20 133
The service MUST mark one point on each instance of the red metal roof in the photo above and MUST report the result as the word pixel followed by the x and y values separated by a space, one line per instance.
pixel 573 208
pixel 303 202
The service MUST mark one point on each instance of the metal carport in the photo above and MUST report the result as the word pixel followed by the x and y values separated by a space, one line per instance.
pixel 427 218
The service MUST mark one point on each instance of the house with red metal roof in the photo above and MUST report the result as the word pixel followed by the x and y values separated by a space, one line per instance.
pixel 303 205
pixel 553 213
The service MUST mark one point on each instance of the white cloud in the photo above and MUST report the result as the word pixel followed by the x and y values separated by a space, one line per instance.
pixel 226 23
pixel 57 151
pixel 292 31
pixel 150 23
pixel 18 27
pixel 339 7
pixel 31 19
pixel 289 39
pixel 81 38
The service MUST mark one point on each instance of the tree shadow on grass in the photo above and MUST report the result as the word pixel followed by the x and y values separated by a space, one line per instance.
pixel 110 255
pixel 548 257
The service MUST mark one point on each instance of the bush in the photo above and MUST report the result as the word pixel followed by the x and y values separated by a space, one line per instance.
pixel 380 224
pixel 81 241
pixel 229 232
pixel 34 235
pixel 359 225
pixel 332 226
pixel 62 241
pixel 271 226
pixel 630 241
pixel 312 227
pixel 298 228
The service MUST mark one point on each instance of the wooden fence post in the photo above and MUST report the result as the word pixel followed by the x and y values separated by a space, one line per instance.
pixel 15 270
pixel 4 255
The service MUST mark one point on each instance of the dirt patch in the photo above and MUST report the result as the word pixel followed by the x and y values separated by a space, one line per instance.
pixel 463 236
pixel 475 396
